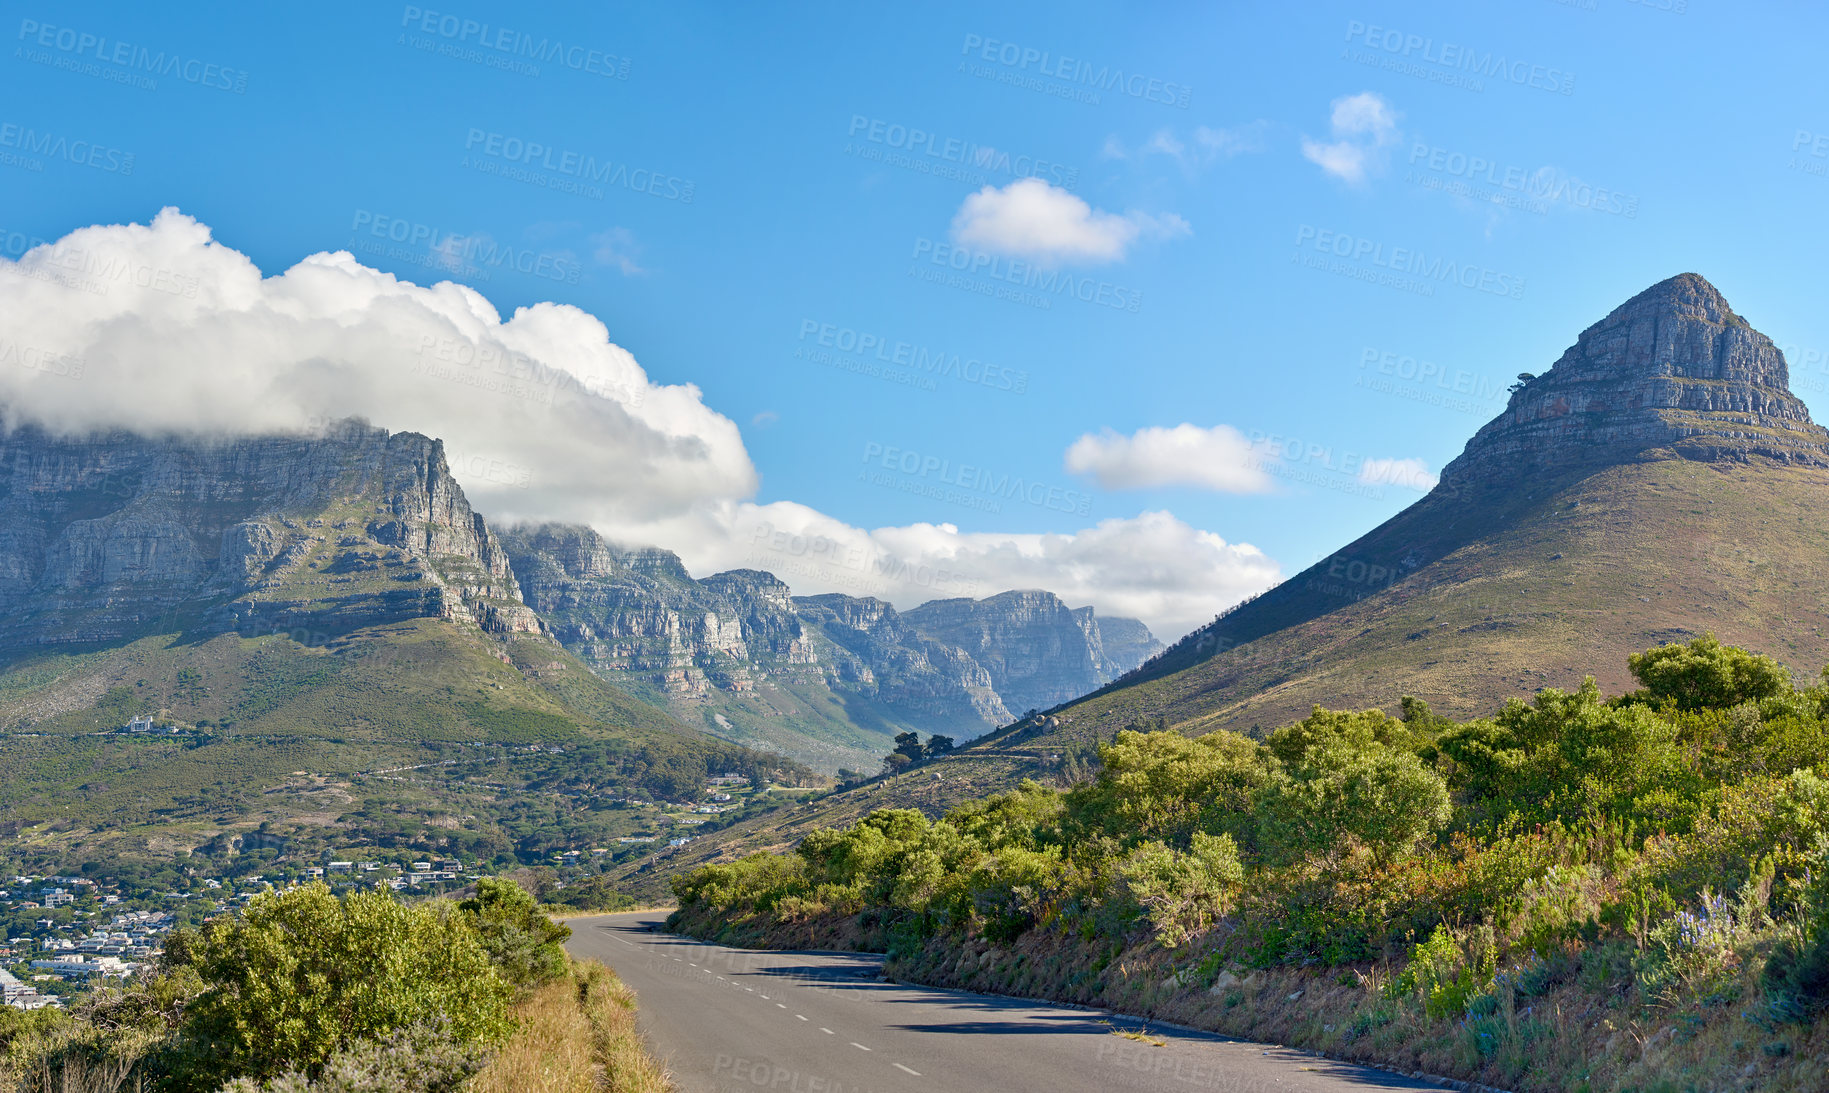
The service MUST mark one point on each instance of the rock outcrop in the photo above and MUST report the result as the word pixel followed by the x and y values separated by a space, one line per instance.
pixel 636 614
pixel 106 536
pixel 1671 372
pixel 1038 651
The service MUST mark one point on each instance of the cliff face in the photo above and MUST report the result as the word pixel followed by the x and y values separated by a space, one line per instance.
pixel 1038 651
pixel 638 614
pixel 876 650
pixel 104 537
pixel 1671 372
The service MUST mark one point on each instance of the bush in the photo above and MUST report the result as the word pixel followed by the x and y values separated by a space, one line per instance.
pixel 301 976
pixel 523 944
pixel 1182 894
pixel 418 1059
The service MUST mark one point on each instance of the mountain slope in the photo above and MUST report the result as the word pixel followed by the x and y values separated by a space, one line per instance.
pixel 299 609
pixel 1659 481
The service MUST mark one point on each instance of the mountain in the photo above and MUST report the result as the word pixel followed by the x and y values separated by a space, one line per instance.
pixel 1038 651
pixel 103 536
pixel 827 679
pixel 1658 481
pixel 298 613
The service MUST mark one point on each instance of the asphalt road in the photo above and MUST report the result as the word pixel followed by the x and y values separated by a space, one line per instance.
pixel 731 1020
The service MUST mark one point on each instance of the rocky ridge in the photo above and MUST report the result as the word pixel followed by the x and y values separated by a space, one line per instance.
pixel 103 537
pixel 1671 372
pixel 956 666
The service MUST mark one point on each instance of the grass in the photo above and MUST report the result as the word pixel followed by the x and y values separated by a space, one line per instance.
pixel 574 1035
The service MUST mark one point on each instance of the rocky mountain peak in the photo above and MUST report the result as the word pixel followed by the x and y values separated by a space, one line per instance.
pixel 1671 373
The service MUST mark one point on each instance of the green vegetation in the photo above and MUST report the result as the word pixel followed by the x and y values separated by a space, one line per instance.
pixel 420 736
pixel 1576 892
pixel 306 992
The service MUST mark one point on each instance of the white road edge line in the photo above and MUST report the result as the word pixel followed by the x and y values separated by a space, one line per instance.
pixel 899 1066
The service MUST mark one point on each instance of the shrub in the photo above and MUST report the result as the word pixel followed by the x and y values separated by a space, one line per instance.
pixel 1181 894
pixel 524 944
pixel 300 976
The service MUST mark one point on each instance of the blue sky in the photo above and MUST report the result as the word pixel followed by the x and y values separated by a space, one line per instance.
pixel 1245 190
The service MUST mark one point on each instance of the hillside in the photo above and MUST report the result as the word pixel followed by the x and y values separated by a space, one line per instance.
pixel 298 614
pixel 1657 482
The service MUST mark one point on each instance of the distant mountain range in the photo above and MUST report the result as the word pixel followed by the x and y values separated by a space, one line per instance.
pixel 827 679
pixel 324 542
pixel 1658 481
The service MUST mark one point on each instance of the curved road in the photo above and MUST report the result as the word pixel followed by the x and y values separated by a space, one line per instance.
pixel 816 1022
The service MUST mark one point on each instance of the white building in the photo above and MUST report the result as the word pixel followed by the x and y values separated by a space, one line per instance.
pixel 20 996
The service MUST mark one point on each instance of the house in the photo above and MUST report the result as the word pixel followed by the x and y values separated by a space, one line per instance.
pixel 342 867
pixel 55 897
pixel 20 996
pixel 422 867
pixel 140 724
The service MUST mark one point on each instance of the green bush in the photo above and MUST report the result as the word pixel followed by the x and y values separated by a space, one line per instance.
pixel 523 944
pixel 300 976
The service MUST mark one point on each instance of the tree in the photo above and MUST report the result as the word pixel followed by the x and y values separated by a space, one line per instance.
pixel 1707 674
pixel 909 744
pixel 300 975
pixel 938 746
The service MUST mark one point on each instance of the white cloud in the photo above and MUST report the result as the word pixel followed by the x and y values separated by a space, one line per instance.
pixel 1220 458
pixel 617 247
pixel 1410 473
pixel 1363 126
pixel 178 333
pixel 1031 219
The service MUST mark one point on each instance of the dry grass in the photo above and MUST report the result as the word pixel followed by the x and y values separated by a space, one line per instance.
pixel 575 1035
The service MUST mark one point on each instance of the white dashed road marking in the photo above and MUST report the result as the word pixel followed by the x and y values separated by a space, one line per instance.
pixel 899 1066
pixel 859 1046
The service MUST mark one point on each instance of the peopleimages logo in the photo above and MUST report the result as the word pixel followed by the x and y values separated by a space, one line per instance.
pixel 466 253
pixel 978 485
pixel 1455 57
pixel 1542 185
pixel 80 47
pixel 1409 261
pixel 972 264
pixel 901 354
pixel 1069 70
pixel 573 169
pixel 929 146
pixel 84 153
pixel 516 44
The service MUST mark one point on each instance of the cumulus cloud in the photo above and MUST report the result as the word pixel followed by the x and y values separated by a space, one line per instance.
pixel 1410 473
pixel 179 333
pixel 1363 126
pixel 159 328
pixel 1030 218
pixel 1220 458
